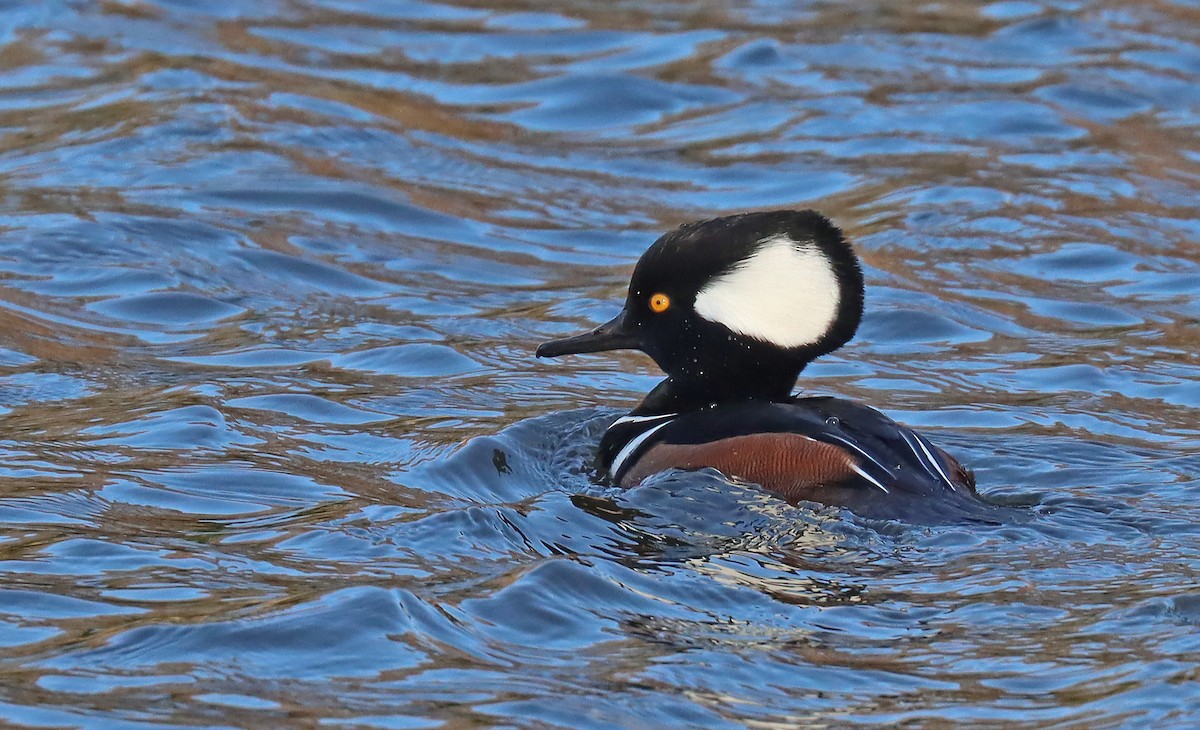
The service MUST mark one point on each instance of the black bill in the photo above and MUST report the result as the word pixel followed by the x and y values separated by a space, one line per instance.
pixel 612 335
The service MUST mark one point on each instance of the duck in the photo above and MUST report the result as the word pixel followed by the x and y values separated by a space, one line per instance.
pixel 732 309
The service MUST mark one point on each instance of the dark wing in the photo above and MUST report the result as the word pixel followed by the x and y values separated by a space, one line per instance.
pixel 891 452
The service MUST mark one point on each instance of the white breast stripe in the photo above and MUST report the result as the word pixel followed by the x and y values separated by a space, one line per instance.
pixel 615 468
pixel 641 419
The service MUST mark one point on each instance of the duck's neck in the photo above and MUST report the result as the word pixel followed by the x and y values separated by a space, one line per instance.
pixel 679 395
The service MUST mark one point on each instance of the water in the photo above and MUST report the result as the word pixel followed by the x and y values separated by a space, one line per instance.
pixel 275 450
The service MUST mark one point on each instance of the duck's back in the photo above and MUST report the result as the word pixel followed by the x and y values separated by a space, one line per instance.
pixel 827 450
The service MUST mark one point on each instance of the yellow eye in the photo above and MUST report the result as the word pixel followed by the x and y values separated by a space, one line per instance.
pixel 659 303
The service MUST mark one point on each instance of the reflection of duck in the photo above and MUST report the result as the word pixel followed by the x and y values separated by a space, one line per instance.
pixel 732 309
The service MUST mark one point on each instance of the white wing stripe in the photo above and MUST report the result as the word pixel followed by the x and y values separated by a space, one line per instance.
pixel 861 452
pixel 929 458
pixel 858 470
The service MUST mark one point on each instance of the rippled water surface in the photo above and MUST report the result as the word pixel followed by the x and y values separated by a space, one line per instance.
pixel 275 450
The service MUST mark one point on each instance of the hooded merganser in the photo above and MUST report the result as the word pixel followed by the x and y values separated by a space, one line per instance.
pixel 732 309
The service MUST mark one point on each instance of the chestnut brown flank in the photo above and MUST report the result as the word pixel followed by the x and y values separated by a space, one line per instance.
pixel 786 463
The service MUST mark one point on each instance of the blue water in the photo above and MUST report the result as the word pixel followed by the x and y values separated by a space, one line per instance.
pixel 275 452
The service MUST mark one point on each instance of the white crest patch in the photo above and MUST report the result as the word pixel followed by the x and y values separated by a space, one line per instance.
pixel 785 293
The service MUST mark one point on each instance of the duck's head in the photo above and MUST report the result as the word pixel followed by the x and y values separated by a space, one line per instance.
pixel 736 306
